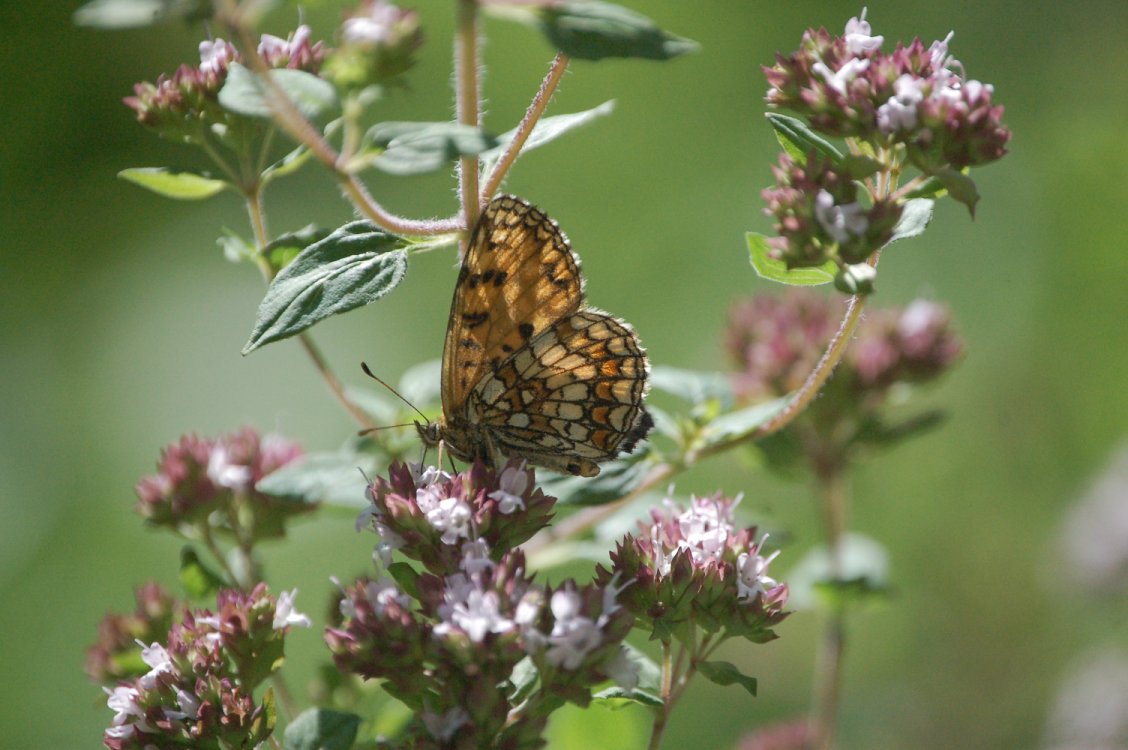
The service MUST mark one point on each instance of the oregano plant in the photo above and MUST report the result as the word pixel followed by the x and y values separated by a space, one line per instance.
pixel 469 642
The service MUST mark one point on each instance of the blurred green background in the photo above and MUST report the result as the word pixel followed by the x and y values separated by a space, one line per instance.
pixel 121 326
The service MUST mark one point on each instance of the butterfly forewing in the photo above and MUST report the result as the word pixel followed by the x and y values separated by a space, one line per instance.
pixel 527 370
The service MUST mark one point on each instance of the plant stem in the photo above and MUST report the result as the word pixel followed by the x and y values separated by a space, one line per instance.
pixel 287 116
pixel 467 104
pixel 828 673
pixel 662 714
pixel 525 129
pixel 258 226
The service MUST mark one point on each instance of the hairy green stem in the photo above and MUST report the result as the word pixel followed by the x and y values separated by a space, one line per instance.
pixel 828 673
pixel 467 102
pixel 528 122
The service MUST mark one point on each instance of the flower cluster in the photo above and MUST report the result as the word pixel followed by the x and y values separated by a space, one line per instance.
pixel 378 42
pixel 202 480
pixel 451 648
pixel 818 215
pixel 915 96
pixel 185 106
pixel 776 340
pixel 692 566
pixel 115 655
pixel 199 689
pixel 429 514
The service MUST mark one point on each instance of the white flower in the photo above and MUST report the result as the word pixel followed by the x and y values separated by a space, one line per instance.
pixel 900 112
pixel 938 53
pixel 705 528
pixel 443 727
pixel 840 222
pixel 389 542
pixel 227 474
pixel 214 56
pixel 476 558
pixel 425 477
pixel 751 573
pixel 284 613
pixel 452 517
pixel 159 662
pixel 189 706
pixel 573 636
pixel 374 27
pixel 471 610
pixel 511 486
pixel 857 35
pixel 273 48
pixel 123 702
pixel 840 79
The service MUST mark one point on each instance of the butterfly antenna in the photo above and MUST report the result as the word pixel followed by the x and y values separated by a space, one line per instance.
pixel 369 373
pixel 366 431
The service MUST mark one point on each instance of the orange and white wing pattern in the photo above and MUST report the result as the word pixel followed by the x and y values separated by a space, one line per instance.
pixel 528 370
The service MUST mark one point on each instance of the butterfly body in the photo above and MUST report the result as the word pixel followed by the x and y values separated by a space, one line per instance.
pixel 529 370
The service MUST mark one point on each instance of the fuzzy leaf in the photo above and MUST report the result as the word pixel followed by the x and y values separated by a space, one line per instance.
pixel 930 188
pixel 860 166
pixel 773 269
pixel 183 186
pixel 741 423
pixel 862 576
pixel 598 30
pixel 546 130
pixel 915 216
pixel 333 478
pixel 615 479
pixel 199 581
pixel 692 385
pixel 282 250
pixel 244 94
pixel 524 678
pixel 355 265
pixel 960 187
pixel 420 147
pixel 798 140
pixel 725 673
pixel 288 164
pixel 133 14
pixel 618 697
pixel 321 729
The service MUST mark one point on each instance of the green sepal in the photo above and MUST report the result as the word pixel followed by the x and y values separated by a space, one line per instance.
pixel 243 93
pixel 798 140
pixel 774 269
pixel 175 184
pixel 598 30
pixel 354 266
pixel 321 729
pixel 725 673
pixel 199 581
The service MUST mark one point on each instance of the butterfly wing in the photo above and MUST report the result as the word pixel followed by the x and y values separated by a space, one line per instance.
pixel 571 398
pixel 518 278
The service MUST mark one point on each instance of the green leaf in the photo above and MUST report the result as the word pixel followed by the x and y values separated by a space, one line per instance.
pixel 615 479
pixel 546 130
pixel 199 581
pixel 863 576
pixel 616 697
pixel 692 385
pixel 649 673
pixel 419 147
pixel 244 94
pixel 741 423
pixel 915 216
pixel 598 30
pixel 133 14
pixel 930 188
pixel 235 248
pixel 321 729
pixel 282 251
pixel 336 478
pixel 171 183
pixel 406 577
pixel 355 265
pixel 524 678
pixel 798 140
pixel 876 432
pixel 774 269
pixel 420 384
pixel 860 166
pixel 287 165
pixel 960 187
pixel 725 673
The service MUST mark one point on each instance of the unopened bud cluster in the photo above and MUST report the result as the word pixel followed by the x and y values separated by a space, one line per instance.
pixel 212 481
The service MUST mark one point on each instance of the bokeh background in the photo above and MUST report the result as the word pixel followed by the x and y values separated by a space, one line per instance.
pixel 121 325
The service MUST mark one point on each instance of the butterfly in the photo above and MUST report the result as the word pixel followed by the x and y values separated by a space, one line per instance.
pixel 529 370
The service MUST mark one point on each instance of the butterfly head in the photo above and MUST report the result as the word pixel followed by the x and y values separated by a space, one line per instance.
pixel 431 433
